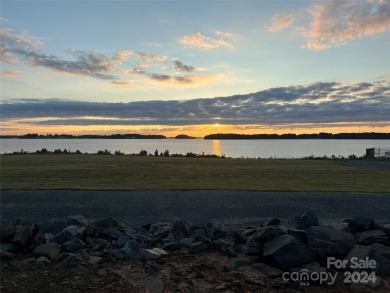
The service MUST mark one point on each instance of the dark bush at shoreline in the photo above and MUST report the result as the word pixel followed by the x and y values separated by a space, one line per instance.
pixel 166 153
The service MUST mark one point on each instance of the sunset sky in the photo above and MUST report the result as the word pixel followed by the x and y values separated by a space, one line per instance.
pixel 194 67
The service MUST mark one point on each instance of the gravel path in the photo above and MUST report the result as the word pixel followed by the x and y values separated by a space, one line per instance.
pixel 231 207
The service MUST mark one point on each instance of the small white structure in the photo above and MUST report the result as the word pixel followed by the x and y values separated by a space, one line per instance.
pixel 378 152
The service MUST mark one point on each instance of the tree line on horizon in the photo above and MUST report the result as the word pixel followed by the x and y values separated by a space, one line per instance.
pixel 321 135
pixel 88 136
pixel 218 136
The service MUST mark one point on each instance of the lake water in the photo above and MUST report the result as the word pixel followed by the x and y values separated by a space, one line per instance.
pixel 266 148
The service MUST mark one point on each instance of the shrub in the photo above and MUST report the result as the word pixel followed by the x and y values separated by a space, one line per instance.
pixel 143 153
pixel 42 151
pixel 105 152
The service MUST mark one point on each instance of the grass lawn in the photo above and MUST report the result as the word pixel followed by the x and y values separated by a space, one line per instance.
pixel 108 172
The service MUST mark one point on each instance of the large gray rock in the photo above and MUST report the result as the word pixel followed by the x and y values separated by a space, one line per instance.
pixel 160 230
pixel 200 246
pixel 287 252
pixel 268 233
pixel 73 245
pixel 48 250
pixel 381 249
pixel 271 222
pixel 96 243
pixel 143 241
pixel 53 227
pixel 386 228
pixel 76 220
pixel 132 244
pixel 39 239
pixel 7 230
pixel 304 221
pixel 372 236
pixel 255 243
pixel 106 229
pixel 363 253
pixel 68 260
pixel 116 253
pixel 299 234
pixel 238 238
pixel 225 247
pixel 109 234
pixel 42 261
pixel 180 229
pixel 93 260
pixel 360 224
pixel 23 235
pixel 101 225
pixel 185 242
pixel 67 234
pixel 152 254
pixel 327 241
pixel 121 242
pixel 215 229
pixel 125 228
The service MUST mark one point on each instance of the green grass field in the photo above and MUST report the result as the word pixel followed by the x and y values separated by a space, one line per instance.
pixel 102 172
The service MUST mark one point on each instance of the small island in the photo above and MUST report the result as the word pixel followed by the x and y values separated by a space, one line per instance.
pixel 184 136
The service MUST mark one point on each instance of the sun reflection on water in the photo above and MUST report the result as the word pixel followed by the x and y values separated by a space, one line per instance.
pixel 217 147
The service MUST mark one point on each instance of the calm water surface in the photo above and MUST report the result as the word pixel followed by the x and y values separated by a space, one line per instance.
pixel 280 148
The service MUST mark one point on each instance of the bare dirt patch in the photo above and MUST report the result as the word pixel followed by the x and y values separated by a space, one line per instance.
pixel 180 272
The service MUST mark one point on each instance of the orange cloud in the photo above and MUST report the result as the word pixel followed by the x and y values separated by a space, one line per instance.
pixel 199 40
pixel 280 22
pixel 185 80
pixel 228 35
pixel 335 23
pixel 136 71
pixel 146 57
pixel 122 83
pixel 10 73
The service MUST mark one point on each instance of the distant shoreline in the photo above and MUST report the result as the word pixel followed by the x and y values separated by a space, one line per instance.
pixel 365 135
pixel 218 136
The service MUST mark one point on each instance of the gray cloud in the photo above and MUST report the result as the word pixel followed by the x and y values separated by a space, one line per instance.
pixel 159 77
pixel 86 63
pixel 322 102
pixel 179 66
pixel 27 48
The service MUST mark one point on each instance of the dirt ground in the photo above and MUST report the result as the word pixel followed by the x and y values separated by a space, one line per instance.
pixel 179 272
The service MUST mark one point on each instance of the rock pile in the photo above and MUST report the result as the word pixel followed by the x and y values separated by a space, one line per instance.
pixel 270 249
